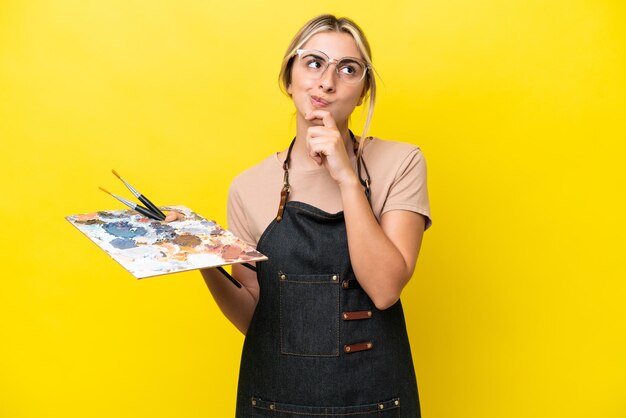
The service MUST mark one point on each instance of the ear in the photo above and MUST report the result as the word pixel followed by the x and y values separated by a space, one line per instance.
pixel 289 89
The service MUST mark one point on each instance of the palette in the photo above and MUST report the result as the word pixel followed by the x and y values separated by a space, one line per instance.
pixel 148 248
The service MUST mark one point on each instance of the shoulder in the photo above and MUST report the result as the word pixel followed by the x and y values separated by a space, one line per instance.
pixel 258 175
pixel 397 172
pixel 375 143
pixel 253 197
pixel 390 154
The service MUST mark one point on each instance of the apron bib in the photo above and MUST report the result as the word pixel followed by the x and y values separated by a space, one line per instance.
pixel 317 346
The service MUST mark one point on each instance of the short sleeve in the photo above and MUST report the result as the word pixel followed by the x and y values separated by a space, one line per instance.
pixel 409 190
pixel 236 216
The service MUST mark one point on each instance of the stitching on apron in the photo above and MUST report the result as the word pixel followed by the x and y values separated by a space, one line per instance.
pixel 280 318
pixel 280 408
pixel 317 214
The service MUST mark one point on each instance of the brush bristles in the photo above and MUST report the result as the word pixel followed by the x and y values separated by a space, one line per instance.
pixel 117 175
pixel 105 191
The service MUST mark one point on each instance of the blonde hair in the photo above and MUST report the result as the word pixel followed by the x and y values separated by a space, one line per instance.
pixel 330 23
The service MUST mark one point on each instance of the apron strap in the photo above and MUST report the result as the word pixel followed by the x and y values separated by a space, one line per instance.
pixel 284 193
pixel 365 183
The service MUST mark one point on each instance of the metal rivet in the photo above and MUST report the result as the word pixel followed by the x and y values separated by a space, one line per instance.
pixel 281 207
pixel 396 402
pixel 272 407
pixel 253 402
pixel 345 316
pixel 369 313
pixel 347 349
pixel 278 218
pixel 369 345
pixel 381 406
pixel 335 278
pixel 345 284
pixel 283 277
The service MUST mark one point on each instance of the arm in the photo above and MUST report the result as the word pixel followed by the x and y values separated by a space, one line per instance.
pixel 236 304
pixel 383 256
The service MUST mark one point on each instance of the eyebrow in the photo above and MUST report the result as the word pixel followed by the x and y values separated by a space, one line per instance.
pixel 312 53
pixel 354 59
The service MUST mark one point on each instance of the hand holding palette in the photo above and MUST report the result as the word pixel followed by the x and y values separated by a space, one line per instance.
pixel 147 247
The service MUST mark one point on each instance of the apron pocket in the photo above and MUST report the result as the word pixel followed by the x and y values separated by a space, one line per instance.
pixel 309 314
pixel 383 409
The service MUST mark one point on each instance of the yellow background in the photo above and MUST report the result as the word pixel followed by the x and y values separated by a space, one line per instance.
pixel 517 307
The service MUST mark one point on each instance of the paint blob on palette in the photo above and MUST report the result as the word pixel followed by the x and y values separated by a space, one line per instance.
pixel 149 248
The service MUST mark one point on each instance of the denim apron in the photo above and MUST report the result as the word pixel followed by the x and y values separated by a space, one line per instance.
pixel 317 346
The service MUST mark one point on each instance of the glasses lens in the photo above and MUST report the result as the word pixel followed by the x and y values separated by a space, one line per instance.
pixel 313 62
pixel 350 70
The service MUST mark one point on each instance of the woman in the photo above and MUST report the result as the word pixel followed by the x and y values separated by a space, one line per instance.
pixel 341 220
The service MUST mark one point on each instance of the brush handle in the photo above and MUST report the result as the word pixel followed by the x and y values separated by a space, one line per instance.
pixel 146 212
pixel 151 207
pixel 229 277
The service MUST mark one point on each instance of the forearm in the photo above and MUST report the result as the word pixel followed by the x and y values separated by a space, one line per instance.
pixel 237 304
pixel 378 265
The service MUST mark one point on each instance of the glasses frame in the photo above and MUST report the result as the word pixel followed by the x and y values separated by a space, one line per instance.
pixel 330 60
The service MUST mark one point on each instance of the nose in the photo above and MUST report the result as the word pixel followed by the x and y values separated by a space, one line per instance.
pixel 327 79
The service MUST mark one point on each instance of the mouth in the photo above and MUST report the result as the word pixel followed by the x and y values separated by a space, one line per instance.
pixel 319 102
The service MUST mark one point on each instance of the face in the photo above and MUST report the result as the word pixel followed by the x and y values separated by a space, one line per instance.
pixel 327 91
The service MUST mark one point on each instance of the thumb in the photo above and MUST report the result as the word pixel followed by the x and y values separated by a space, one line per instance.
pixel 173 216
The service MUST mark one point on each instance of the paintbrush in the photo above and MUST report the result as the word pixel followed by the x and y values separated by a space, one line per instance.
pixel 134 206
pixel 229 277
pixel 152 215
pixel 149 205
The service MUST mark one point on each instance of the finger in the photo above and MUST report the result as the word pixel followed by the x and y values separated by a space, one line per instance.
pixel 316 116
pixel 322 131
pixel 324 115
pixel 315 121
pixel 317 157
pixel 314 152
pixel 322 142
pixel 173 216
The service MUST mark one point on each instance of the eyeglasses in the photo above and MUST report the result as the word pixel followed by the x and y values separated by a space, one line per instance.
pixel 315 63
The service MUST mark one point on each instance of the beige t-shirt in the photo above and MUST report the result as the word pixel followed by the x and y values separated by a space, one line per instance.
pixel 398 182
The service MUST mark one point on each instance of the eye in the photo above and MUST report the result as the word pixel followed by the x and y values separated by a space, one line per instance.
pixel 350 69
pixel 313 62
